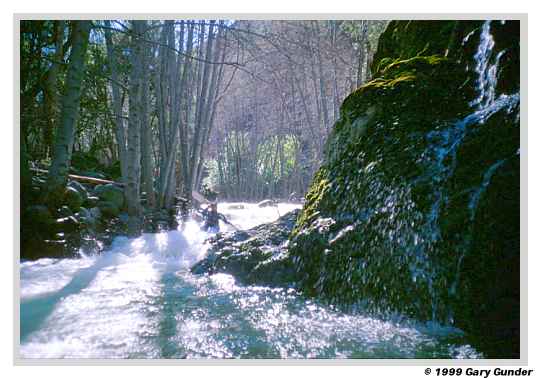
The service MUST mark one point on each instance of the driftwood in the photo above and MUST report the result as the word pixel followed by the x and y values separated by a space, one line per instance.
pixel 91 180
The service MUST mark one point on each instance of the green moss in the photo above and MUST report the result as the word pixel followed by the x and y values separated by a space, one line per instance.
pixel 367 154
pixel 316 193
pixel 420 61
pixel 394 74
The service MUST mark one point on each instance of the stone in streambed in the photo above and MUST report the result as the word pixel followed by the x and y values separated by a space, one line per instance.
pixel 266 203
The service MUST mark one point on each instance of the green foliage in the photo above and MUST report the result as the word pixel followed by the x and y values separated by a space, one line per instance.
pixel 94 135
pixel 211 180
pixel 274 165
pixel 274 146
pixel 37 50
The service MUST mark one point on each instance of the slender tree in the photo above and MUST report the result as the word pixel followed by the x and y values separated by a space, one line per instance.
pixel 118 119
pixel 69 113
pixel 132 188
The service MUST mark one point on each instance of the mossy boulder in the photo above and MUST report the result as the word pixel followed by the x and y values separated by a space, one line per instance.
pixel 67 224
pixel 91 201
pixel 73 198
pixel 110 193
pixel 83 191
pixel 401 215
pixel 108 209
pixel 257 256
pixel 64 211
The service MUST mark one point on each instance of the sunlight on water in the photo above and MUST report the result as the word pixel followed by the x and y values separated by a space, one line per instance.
pixel 139 300
pixel 248 215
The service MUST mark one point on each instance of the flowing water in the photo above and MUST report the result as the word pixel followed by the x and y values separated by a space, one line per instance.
pixel 139 300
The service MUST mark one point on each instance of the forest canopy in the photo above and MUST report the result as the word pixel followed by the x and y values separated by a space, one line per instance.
pixel 167 107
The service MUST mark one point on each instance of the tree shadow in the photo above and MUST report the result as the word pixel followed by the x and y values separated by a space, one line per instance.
pixel 34 311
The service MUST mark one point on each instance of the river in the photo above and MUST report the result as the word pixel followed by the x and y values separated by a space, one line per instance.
pixel 139 300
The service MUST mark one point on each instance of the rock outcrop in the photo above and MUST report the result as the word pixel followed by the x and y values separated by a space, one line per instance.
pixel 416 207
pixel 86 222
pixel 258 256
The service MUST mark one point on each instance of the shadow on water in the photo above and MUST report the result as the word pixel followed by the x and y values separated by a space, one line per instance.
pixel 168 322
pixel 34 311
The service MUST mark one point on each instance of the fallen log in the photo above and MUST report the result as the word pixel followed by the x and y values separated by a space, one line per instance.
pixel 91 180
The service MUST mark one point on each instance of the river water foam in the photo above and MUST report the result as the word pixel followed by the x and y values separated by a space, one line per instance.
pixel 139 300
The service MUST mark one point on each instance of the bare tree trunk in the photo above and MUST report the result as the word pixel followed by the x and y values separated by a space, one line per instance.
pixel 160 85
pixel 170 76
pixel 120 130
pixel 212 98
pixel 203 97
pixel 336 92
pixel 146 131
pixel 362 53
pixel 70 111
pixel 184 146
pixel 132 188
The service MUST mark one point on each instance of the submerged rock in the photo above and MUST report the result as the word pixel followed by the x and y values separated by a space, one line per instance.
pixel 257 256
pixel 236 206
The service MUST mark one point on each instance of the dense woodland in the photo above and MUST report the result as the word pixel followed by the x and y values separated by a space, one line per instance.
pixel 166 107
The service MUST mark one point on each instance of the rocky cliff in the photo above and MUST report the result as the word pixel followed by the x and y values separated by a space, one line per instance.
pixel 416 207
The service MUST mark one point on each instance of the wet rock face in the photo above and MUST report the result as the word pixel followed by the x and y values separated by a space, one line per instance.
pixel 257 256
pixel 416 208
